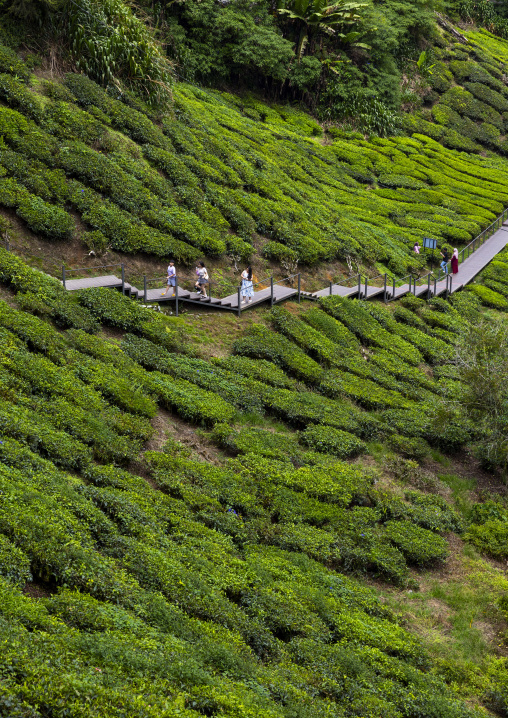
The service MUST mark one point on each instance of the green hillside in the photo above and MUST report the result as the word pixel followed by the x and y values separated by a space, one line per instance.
pixel 230 177
pixel 142 581
pixel 301 512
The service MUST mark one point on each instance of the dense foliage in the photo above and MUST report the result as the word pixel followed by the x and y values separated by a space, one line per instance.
pixel 243 580
pixel 230 176
pixel 213 588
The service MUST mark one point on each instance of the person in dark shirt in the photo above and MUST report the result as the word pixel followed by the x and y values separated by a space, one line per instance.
pixel 444 263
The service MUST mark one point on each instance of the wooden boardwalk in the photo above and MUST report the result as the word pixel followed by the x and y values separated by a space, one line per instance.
pixel 429 287
pixel 468 270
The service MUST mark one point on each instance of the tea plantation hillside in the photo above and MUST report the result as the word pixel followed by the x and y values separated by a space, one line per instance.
pixel 139 579
pixel 230 177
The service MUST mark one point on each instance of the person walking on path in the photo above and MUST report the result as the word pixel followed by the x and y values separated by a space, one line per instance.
pixel 444 263
pixel 171 280
pixel 247 286
pixel 455 261
pixel 202 280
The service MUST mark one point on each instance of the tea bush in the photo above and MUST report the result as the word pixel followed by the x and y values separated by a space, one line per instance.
pixel 260 343
pixel 359 321
pixel 44 218
pixel 119 311
pixel 418 545
pixel 489 297
pixel 14 564
pixel 217 585
pixel 332 441
pixel 489 537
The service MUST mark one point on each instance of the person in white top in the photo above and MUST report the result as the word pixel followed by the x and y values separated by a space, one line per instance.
pixel 247 286
pixel 171 280
pixel 202 280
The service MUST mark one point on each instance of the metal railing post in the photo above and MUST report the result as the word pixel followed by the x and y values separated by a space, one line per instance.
pixel 366 286
pixel 63 276
pixel 428 286
pixel 239 309
pixel 331 285
pixel 123 279
pixel 271 291
pixel 359 286
pixel 299 287
pixel 176 295
pixel 410 284
pixel 145 290
pixel 384 293
pixel 451 283
pixel 435 286
pixel 393 294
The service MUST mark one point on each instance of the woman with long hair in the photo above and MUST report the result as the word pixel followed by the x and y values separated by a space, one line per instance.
pixel 455 261
pixel 247 289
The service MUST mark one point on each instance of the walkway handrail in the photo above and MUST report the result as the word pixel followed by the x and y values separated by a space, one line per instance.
pixel 366 285
pixel 99 266
pixel 394 287
pixel 292 276
pixel 261 281
pixel 356 277
pixel 496 224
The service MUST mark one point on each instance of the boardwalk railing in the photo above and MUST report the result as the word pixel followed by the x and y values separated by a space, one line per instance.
pixel 269 282
pixel 431 277
pixel 363 287
pixel 356 279
pixel 483 236
pixel 159 280
pixel 396 283
pixel 65 271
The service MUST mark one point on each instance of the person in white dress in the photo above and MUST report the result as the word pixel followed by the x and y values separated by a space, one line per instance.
pixel 247 289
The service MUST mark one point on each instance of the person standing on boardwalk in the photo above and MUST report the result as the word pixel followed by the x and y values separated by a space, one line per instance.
pixel 202 280
pixel 247 286
pixel 171 279
pixel 444 263
pixel 455 261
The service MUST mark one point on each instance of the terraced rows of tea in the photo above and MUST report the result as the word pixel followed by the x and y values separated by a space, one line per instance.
pixel 224 176
pixel 156 583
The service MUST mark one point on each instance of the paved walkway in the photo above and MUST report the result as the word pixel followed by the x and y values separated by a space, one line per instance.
pixel 468 270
